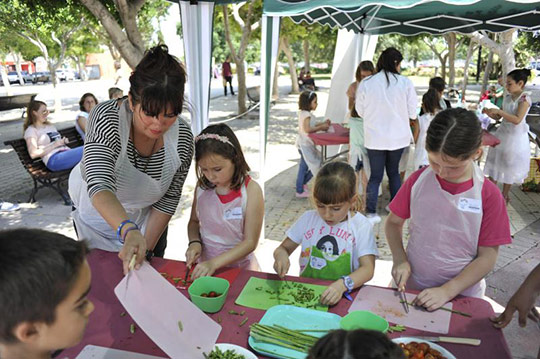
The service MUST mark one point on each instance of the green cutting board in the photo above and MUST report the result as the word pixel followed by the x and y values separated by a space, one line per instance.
pixel 263 294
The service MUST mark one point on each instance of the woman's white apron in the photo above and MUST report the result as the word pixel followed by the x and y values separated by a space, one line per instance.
pixel 135 190
pixel 444 231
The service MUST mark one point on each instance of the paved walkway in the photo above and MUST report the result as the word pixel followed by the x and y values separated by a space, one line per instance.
pixel 282 207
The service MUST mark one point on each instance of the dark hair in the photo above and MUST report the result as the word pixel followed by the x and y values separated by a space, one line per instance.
pixel 113 91
pixel 158 82
pixel 388 62
pixel 335 183
pixel 328 238
pixel 520 75
pixel 364 66
pixel 355 344
pixel 454 132
pixel 305 99
pixel 37 271
pixel 431 101
pixel 34 105
pixel 437 83
pixel 83 98
pixel 204 147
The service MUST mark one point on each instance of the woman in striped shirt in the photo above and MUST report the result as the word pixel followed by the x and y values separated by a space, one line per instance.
pixel 136 158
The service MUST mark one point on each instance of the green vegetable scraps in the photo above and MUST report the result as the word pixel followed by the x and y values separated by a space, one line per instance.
pixel 228 354
pixel 278 335
pixel 295 293
pixel 132 328
pixel 396 328
pixel 123 314
pixel 448 310
pixel 243 322
pixel 233 312
pixel 180 326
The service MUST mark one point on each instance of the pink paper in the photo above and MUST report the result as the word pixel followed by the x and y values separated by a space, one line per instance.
pixel 386 303
pixel 156 306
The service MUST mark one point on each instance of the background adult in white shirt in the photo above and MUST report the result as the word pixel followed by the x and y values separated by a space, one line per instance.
pixel 387 102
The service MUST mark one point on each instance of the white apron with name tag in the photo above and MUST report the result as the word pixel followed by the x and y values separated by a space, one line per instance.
pixel 509 162
pixel 311 154
pixel 135 190
pixel 444 231
pixel 222 225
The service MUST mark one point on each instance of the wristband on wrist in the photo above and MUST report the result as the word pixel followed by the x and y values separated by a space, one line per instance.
pixel 126 232
pixel 195 241
pixel 121 226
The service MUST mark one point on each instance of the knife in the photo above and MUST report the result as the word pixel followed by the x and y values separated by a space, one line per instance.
pixel 403 299
pixel 131 266
pixel 453 340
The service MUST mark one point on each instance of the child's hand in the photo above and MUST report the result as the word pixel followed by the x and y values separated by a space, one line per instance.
pixel 282 264
pixel 328 121
pixel 193 253
pixel 203 269
pixel 401 273
pixel 522 301
pixel 432 298
pixel 333 293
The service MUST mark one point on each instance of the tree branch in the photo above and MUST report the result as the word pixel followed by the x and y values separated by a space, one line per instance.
pixel 236 14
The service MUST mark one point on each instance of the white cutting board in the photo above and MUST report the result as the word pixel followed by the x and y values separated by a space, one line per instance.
pixel 157 306
pixel 386 303
pixel 95 352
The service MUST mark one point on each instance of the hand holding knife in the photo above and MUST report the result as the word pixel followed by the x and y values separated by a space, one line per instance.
pixel 403 300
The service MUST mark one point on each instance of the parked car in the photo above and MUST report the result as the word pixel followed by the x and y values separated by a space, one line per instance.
pixel 65 75
pixel 44 76
pixel 14 78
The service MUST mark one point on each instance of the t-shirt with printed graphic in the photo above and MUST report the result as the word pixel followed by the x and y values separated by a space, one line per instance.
pixel 352 238
pixel 45 135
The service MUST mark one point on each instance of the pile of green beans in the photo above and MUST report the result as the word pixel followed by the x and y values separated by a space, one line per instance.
pixel 278 335
pixel 227 354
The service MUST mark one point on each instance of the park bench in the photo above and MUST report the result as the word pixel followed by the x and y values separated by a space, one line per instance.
pixel 42 176
pixel 254 95
pixel 16 101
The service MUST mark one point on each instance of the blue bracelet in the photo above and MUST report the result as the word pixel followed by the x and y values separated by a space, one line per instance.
pixel 126 232
pixel 121 226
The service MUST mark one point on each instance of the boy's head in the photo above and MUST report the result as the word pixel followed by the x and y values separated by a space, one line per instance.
pixel 44 283
pixel 115 92
pixel 355 344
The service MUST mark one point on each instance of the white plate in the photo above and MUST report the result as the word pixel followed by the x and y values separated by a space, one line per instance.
pixel 443 351
pixel 237 349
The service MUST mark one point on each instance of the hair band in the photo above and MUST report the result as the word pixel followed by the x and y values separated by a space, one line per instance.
pixel 213 136
pixel 311 93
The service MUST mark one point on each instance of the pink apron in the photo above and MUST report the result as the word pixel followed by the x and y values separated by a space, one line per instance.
pixel 444 230
pixel 222 226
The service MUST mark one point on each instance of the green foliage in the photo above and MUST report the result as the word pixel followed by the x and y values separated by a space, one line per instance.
pixel 526 47
pixel 321 40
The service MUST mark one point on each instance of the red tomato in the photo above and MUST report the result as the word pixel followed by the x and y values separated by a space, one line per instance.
pixel 212 294
pixel 204 295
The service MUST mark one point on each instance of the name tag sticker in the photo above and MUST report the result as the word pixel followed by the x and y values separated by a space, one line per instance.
pixel 318 263
pixel 233 213
pixel 470 205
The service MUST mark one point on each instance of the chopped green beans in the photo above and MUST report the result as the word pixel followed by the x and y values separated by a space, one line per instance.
pixel 227 354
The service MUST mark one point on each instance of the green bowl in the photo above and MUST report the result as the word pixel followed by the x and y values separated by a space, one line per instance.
pixel 363 319
pixel 205 285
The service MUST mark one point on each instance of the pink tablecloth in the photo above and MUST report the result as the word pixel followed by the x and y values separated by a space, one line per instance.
pixel 108 328
pixel 340 136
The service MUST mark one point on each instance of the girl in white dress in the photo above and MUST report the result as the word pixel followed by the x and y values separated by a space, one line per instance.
pixel 431 105
pixel 509 161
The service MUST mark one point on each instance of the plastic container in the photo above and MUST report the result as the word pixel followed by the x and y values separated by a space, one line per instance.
pixel 363 319
pixel 205 285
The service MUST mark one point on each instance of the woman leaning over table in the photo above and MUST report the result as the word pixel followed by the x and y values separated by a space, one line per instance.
pixel 386 101
pixel 136 158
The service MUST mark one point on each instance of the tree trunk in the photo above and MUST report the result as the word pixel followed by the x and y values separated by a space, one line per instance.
pixel 128 43
pixel 503 48
pixel 81 67
pixel 5 80
pixel 487 71
pixel 470 51
pixel 292 64
pixel 18 68
pixel 275 85
pixel 451 41
pixel 305 44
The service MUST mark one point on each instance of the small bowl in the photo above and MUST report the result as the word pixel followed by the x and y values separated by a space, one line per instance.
pixel 363 319
pixel 205 285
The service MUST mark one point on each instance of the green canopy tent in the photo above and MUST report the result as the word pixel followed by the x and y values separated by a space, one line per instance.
pixel 406 17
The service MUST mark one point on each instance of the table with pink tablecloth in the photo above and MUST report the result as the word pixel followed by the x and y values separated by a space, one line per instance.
pixel 108 328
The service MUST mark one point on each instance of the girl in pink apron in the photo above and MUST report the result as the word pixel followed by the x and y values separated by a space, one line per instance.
pixel 456 219
pixel 228 208
pixel 337 243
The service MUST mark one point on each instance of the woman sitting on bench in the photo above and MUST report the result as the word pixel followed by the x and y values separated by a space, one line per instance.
pixel 43 140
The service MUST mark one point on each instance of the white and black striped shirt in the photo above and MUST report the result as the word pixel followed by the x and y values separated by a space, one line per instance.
pixel 102 147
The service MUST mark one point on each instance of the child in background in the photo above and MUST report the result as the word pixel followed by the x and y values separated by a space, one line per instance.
pixel 44 283
pixel 310 157
pixel 430 107
pixel 358 155
pixel 115 93
pixel 509 162
pixel 457 220
pixel 228 206
pixel 355 344
pixel 87 102
pixel 337 243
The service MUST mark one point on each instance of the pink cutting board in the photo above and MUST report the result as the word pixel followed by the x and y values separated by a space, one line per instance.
pixel 386 303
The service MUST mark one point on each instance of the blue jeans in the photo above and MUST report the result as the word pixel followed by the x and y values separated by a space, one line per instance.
pixel 65 160
pixel 378 160
pixel 304 174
